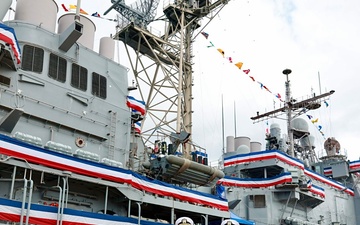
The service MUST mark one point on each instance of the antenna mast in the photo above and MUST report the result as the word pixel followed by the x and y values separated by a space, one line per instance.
pixel 162 64
pixel 288 107
pixel 222 126
pixel 292 109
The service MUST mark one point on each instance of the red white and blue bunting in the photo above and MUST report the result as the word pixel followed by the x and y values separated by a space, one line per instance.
pixel 32 154
pixel 45 215
pixel 263 155
pixel 7 35
pixel 354 166
pixel 328 171
pixel 256 182
pixel 274 154
pixel 317 190
pixel 336 185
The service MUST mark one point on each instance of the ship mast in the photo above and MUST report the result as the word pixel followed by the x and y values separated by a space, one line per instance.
pixel 288 111
pixel 162 65
pixel 292 109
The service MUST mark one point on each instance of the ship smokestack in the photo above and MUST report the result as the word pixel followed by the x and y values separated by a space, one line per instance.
pixel 242 141
pixel 255 146
pixel 41 13
pixel 230 144
pixel 107 47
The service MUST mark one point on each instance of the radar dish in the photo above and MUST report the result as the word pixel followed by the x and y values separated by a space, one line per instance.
pixel 300 124
pixel 275 130
pixel 299 127
pixel 331 146
pixel 243 149
pixel 274 125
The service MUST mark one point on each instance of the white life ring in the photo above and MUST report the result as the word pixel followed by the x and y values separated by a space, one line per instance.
pixel 184 221
pixel 229 222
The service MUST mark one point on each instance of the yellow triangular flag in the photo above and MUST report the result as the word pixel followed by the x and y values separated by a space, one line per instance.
pixel 315 121
pixel 221 51
pixel 81 10
pixel 239 65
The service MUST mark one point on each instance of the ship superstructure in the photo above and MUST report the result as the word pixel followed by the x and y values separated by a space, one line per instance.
pixel 70 152
pixel 285 182
pixel 71 149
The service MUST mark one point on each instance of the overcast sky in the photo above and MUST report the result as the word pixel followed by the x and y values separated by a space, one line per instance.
pixel 317 40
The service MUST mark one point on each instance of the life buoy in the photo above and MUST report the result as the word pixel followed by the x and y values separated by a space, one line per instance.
pixel 80 142
pixel 229 222
pixel 184 221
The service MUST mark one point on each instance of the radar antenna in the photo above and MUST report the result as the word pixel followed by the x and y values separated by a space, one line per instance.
pixel 141 12
pixel 293 109
pixel 162 64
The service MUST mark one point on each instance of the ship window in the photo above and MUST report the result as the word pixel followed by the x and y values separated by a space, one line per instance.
pixel 57 68
pixel 32 59
pixel 259 201
pixel 98 85
pixel 79 77
pixel 4 81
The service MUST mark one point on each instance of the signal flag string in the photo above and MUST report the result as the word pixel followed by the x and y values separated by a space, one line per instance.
pixel 95 14
pixel 262 86
pixel 239 65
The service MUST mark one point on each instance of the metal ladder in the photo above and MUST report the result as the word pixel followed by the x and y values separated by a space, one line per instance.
pixel 112 135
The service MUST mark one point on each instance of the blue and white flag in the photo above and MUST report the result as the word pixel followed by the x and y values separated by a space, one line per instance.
pixel 220 191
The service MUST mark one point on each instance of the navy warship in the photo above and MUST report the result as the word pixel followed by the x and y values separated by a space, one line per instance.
pixel 80 143
pixel 71 149
pixel 287 182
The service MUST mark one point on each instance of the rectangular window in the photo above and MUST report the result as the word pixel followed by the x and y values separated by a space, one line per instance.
pixel 57 68
pixel 79 77
pixel 32 59
pixel 259 201
pixel 4 81
pixel 98 85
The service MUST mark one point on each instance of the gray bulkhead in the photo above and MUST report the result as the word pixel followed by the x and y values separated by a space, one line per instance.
pixel 64 113
pixel 281 203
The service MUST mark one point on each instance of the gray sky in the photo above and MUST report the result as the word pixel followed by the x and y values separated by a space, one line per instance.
pixel 317 40
pixel 314 39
